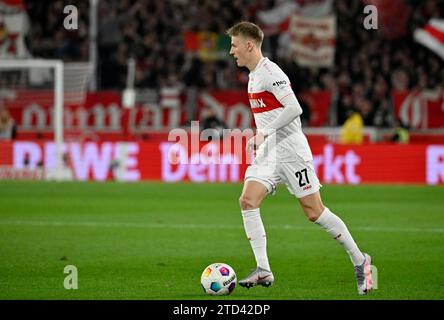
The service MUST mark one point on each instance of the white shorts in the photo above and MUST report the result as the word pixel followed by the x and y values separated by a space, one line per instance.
pixel 299 177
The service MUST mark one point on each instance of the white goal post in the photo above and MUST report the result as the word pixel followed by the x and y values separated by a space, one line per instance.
pixel 69 84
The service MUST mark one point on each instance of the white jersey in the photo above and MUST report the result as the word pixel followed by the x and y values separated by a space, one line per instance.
pixel 267 86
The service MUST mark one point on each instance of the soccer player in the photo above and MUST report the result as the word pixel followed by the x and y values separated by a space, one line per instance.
pixel 282 156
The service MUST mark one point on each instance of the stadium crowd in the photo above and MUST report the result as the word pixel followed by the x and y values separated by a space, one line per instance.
pixel 368 65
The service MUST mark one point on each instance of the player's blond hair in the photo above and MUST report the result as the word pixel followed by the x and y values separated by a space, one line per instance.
pixel 247 30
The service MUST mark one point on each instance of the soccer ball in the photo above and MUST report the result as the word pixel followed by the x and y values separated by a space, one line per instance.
pixel 218 279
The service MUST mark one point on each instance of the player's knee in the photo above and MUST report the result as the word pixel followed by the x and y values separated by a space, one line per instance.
pixel 248 203
pixel 313 207
pixel 312 213
pixel 313 217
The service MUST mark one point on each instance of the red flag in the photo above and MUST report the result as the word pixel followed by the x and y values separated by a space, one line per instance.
pixel 277 19
pixel 432 36
pixel 191 41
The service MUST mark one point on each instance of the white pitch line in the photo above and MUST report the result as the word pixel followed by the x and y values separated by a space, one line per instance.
pixel 99 224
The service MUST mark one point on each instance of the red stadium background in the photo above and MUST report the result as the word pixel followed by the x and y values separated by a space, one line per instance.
pixel 387 74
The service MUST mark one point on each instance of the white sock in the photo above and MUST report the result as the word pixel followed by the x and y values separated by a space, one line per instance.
pixel 338 230
pixel 255 231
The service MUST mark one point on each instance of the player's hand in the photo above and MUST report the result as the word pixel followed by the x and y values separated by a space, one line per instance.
pixel 255 141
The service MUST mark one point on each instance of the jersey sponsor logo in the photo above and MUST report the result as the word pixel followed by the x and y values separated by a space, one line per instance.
pixel 257 103
pixel 263 101
pixel 279 83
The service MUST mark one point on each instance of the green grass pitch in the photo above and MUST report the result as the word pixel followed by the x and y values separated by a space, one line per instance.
pixel 153 240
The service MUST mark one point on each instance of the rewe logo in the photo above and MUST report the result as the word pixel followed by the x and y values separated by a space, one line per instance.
pixel 338 169
pixel 89 160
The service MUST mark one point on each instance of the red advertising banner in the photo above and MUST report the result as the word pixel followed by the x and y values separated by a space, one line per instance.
pixel 103 117
pixel 420 109
pixel 213 162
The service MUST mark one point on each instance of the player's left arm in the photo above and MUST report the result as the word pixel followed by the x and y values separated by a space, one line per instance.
pixel 283 92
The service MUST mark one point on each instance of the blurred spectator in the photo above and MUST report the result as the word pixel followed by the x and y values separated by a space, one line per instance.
pixel 26 160
pixel 367 112
pixel 8 128
pixel 401 133
pixel 67 169
pixel 352 132
pixel 305 116
pixel 384 115
pixel 210 121
pixel 49 39
pixel 114 167
pixel 345 104
pixel 193 81
pixel 368 65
